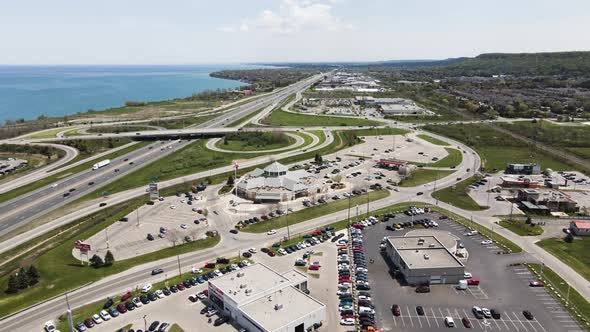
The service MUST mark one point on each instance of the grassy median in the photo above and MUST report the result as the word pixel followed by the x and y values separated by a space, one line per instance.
pixel 433 140
pixel 453 159
pixel 457 195
pixel 423 176
pixel 520 227
pixel 282 118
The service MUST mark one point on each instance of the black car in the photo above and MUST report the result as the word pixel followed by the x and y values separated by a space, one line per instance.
pixel 163 326
pixel 173 289
pixel 153 326
pixel 150 237
pixel 166 291
pixel 144 299
pixel 66 194
pixel 221 320
pixel 528 315
pixel 152 296
pixel 187 284
pixel 129 305
pixel 420 310
pixel 246 254
pixel 90 183
pixel 150 203
pixel 108 303
pixel 157 271
pixel 233 231
pixel 222 260
pixel 495 314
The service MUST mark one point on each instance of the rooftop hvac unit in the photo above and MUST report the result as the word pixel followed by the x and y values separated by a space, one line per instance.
pixel 278 306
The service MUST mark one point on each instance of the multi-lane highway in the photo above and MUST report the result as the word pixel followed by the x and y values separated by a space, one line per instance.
pixel 23 209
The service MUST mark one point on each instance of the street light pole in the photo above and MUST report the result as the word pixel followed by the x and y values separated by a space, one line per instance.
pixel 179 272
pixel 144 323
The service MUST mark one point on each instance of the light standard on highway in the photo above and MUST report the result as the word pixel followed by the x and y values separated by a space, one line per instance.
pixel 144 323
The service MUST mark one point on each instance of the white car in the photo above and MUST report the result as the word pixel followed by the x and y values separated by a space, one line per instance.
pixel 53 186
pixel 345 308
pixel 282 251
pixel 183 226
pixel 271 232
pixel 252 250
pixel 347 321
pixel 472 233
pixel 342 292
pixel 146 288
pixel 361 269
pixel 364 298
pixel 105 315
pixel 50 327
pixel 196 270
pixel 246 262
pixel 160 294
pixel 486 312
pixel 218 273
pixel 467 275
pixel 135 301
pixel 173 207
pixel 486 242
pixel 182 201
pixel 449 321
pixel 234 267
pixel 96 318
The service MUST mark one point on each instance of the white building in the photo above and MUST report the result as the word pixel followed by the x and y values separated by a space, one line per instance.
pixel 260 299
pixel 274 183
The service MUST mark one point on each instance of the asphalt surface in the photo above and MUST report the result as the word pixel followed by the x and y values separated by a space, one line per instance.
pixel 23 209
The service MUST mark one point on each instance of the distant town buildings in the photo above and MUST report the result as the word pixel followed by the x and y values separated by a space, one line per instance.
pixel 349 82
pixel 580 228
pixel 546 201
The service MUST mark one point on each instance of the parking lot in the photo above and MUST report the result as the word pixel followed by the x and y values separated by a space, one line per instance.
pixel 127 239
pixel 503 287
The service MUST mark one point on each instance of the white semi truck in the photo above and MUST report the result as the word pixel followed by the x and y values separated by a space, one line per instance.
pixel 101 163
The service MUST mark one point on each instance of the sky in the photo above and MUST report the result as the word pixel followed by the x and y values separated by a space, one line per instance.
pixel 245 31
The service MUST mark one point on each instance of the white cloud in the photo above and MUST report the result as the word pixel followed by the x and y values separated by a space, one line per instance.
pixel 294 16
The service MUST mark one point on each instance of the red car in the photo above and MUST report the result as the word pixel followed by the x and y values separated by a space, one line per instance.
pixel 466 322
pixel 343 280
pixel 341 248
pixel 536 284
pixel 473 282
pixel 126 296
pixel 121 308
pixel 346 316
pixel 206 292
pixel 271 254
pixel 316 232
pixel 358 226
pixel 209 265
pixel 314 267
pixel 395 310
pixel 180 286
pixel 357 249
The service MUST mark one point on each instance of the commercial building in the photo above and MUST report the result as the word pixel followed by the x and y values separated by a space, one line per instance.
pixel 391 163
pixel 399 106
pixel 521 182
pixel 523 169
pixel 274 183
pixel 546 201
pixel 424 260
pixel 580 228
pixel 259 299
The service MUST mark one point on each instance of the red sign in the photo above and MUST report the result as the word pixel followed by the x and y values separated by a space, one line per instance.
pixel 82 246
pixel 216 290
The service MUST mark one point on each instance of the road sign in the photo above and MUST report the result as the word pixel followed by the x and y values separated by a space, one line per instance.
pixel 83 247
pixel 153 190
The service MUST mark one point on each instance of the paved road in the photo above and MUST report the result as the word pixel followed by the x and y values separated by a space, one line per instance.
pixel 40 173
pixel 23 209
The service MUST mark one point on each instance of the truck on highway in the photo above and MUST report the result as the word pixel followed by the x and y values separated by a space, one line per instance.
pixel 100 164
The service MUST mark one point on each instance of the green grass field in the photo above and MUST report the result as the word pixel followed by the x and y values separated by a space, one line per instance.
pixel 244 145
pixel 575 254
pixel 60 271
pixel 182 122
pixel 380 131
pixel 457 195
pixel 314 212
pixel 497 149
pixel 282 118
pixel 521 228
pixel 453 159
pixel 433 140
pixel 50 133
pixel 118 129
pixel 52 178
pixel 90 147
pixel 422 176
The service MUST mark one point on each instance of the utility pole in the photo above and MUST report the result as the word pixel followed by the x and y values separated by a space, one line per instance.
pixel 106 230
pixel 349 211
pixel 70 319
pixel 179 272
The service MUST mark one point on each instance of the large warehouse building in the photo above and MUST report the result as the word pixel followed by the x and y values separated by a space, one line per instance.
pixel 260 299
pixel 424 260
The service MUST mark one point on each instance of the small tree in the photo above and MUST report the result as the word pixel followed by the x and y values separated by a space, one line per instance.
pixel 12 286
pixel 528 220
pixel 96 261
pixel 569 238
pixel 230 180
pixel 22 279
pixel 318 158
pixel 109 259
pixel 33 275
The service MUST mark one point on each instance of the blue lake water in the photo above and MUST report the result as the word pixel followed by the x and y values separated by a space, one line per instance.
pixel 29 91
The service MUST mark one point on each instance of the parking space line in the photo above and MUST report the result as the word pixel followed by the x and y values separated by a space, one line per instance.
pixel 410 316
pixel 403 321
pixel 518 319
pixel 496 322
pixel 505 324
pixel 417 317
pixel 427 320
pixel 511 321
pixel 433 315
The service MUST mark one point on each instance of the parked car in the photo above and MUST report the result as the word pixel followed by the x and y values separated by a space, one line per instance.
pixel 528 315
pixel 423 289
pixel 420 310
pixel 395 310
pixel 466 322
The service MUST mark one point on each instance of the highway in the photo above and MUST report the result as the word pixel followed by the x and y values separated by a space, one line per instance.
pixel 23 209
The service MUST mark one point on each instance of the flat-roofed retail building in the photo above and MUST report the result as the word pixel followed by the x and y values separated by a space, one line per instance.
pixel 424 260
pixel 259 299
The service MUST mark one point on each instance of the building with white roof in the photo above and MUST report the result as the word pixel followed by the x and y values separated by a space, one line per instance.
pixel 274 183
pixel 259 299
